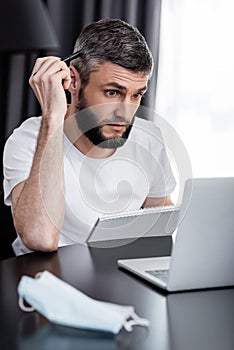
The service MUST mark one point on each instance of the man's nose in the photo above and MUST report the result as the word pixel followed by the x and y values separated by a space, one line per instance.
pixel 125 109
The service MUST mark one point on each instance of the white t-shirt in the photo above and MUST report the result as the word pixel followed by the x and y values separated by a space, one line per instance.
pixel 137 170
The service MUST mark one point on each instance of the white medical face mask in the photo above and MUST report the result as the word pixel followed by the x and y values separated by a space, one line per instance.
pixel 63 304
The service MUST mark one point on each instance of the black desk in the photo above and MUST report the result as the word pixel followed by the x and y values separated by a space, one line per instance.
pixel 202 320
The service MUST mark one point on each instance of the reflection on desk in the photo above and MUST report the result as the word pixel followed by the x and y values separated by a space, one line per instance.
pixel 50 337
pixel 194 320
pixel 201 320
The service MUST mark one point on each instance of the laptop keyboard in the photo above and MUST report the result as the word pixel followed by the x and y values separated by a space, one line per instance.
pixel 160 274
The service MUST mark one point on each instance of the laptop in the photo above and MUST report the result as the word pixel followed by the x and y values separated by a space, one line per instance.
pixel 202 253
pixel 111 230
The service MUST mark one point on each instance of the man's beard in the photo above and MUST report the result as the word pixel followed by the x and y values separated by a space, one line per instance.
pixel 88 123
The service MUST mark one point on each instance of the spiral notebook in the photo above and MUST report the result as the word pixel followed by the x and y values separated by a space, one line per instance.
pixel 158 221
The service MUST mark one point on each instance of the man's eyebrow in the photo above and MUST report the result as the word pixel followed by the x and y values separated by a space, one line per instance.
pixel 116 85
pixel 121 87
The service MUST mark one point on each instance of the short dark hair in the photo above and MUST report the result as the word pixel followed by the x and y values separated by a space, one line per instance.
pixel 112 40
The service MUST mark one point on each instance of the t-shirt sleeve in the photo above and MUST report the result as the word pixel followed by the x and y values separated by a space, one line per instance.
pixel 163 181
pixel 18 155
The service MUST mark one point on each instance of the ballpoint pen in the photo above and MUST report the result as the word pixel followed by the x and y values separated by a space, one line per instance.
pixel 72 56
pixel 68 58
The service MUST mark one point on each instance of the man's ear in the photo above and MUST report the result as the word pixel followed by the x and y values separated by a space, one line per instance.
pixel 74 87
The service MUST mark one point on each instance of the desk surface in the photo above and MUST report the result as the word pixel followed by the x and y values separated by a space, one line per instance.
pixel 201 320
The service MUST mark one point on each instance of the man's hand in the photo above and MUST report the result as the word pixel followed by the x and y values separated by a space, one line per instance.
pixel 155 202
pixel 50 76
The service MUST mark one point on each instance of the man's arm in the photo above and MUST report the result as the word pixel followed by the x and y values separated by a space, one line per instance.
pixel 155 202
pixel 38 202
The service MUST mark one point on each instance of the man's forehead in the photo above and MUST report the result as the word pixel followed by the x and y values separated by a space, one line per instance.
pixel 109 73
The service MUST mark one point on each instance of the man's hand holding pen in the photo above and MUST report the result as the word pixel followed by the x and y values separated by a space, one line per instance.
pixel 47 76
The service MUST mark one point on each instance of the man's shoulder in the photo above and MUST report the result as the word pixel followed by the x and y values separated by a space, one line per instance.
pixel 32 123
pixel 25 135
pixel 146 128
pixel 29 128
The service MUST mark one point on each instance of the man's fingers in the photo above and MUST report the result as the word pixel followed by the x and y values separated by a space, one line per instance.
pixel 47 68
pixel 48 65
pixel 64 76
pixel 42 63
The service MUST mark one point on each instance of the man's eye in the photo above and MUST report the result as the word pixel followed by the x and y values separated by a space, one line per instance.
pixel 111 93
pixel 137 96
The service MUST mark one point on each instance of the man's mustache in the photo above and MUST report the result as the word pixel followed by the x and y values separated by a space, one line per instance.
pixel 115 120
pixel 87 120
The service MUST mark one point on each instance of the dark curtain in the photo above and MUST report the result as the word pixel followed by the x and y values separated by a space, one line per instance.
pixel 68 18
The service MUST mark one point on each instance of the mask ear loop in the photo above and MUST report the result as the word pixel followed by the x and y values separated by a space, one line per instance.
pixel 24 307
pixel 38 274
pixel 136 321
pixel 21 304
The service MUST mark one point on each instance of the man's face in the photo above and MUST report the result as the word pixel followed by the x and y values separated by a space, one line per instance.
pixel 108 103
